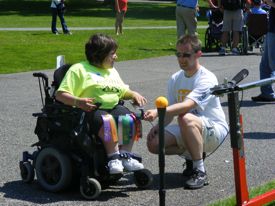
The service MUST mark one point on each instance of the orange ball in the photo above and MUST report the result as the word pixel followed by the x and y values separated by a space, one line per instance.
pixel 161 102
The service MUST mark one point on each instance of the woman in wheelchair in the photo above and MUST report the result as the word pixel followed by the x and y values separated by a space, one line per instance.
pixel 95 86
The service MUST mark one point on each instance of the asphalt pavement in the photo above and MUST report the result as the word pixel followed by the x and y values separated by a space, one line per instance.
pixel 20 98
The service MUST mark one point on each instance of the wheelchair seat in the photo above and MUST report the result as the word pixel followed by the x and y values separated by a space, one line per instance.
pixel 254 31
pixel 257 25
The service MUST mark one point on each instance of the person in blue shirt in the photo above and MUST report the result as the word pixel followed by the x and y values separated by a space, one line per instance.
pixel 256 7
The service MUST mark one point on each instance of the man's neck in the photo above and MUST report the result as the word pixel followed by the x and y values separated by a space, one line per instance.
pixel 192 71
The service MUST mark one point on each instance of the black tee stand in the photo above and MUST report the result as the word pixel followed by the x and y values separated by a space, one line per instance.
pixel 161 114
pixel 237 144
pixel 161 103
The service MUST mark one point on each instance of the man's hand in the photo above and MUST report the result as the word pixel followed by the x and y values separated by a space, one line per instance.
pixel 150 115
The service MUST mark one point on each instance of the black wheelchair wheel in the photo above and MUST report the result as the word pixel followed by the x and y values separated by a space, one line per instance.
pixel 143 178
pixel 244 40
pixel 90 188
pixel 207 40
pixel 53 169
pixel 26 171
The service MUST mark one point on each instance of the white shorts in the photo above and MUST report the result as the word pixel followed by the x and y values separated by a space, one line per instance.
pixel 212 134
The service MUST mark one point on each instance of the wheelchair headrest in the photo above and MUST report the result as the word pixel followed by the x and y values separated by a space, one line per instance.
pixel 59 74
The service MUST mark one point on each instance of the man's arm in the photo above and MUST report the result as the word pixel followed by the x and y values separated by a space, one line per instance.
pixel 171 111
pixel 180 108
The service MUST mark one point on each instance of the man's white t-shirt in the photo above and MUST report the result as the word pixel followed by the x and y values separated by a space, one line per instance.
pixel 197 88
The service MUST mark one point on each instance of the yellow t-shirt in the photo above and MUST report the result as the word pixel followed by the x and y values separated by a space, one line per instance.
pixel 85 80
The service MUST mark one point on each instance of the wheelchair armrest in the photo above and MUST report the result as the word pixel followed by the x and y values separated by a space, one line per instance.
pixel 39 114
pixel 40 74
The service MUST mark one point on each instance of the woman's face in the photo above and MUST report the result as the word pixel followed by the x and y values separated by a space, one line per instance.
pixel 109 61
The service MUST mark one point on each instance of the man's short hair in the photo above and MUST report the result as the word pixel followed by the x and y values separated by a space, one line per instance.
pixel 193 40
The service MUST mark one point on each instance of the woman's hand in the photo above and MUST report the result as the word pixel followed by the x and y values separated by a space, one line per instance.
pixel 86 104
pixel 150 115
pixel 139 99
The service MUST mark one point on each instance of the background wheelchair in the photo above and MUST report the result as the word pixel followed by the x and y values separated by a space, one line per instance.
pixel 253 32
pixel 66 151
pixel 214 31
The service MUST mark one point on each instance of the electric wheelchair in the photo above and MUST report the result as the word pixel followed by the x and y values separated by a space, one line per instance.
pixel 66 151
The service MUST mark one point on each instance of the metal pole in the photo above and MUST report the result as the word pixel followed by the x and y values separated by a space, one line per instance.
pixel 161 103
pixel 161 113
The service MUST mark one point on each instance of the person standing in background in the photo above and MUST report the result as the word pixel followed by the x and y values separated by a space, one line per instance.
pixel 267 65
pixel 58 8
pixel 120 8
pixel 186 18
pixel 232 21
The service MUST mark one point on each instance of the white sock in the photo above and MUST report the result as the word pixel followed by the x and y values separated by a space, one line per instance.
pixel 198 164
pixel 112 154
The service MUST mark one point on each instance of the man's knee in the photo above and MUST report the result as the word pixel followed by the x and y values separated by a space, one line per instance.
pixel 152 146
pixel 185 120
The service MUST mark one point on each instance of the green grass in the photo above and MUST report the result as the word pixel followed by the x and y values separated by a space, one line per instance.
pixel 254 192
pixel 37 50
pixel 29 51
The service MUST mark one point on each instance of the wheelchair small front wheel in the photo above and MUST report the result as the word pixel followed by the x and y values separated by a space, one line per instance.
pixel 26 171
pixel 53 169
pixel 90 188
pixel 143 178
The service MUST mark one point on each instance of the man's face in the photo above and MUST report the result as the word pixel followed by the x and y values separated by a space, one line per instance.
pixel 186 57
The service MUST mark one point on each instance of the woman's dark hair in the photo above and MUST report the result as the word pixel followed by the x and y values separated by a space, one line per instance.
pixel 98 47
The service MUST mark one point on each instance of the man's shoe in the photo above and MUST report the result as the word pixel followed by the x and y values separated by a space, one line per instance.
pixel 222 51
pixel 261 98
pixel 235 51
pixel 115 166
pixel 131 164
pixel 197 180
pixel 188 171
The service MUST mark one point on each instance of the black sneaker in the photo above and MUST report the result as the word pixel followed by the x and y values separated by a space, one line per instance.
pixel 188 171
pixel 261 98
pixel 197 180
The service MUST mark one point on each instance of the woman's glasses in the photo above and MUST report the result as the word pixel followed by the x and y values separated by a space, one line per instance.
pixel 183 54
